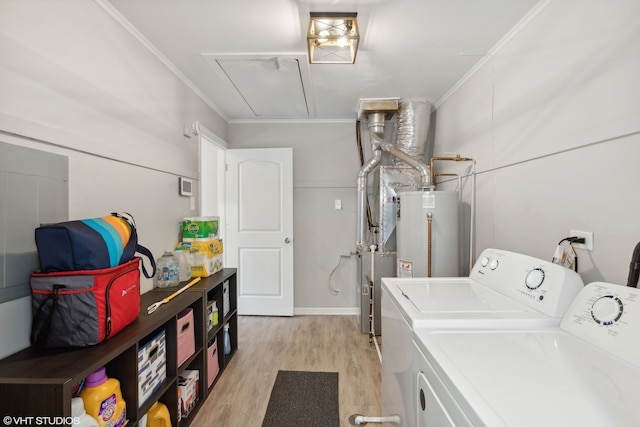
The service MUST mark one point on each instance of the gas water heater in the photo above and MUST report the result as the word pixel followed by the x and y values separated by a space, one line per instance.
pixel 427 230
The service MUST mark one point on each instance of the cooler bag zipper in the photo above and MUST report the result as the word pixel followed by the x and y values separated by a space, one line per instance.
pixel 107 330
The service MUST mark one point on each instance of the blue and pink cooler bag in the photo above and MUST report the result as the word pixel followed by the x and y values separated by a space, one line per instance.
pixel 88 286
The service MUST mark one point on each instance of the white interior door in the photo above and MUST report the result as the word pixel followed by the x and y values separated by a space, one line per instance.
pixel 260 229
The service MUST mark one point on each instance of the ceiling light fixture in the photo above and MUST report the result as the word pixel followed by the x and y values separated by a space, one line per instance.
pixel 333 38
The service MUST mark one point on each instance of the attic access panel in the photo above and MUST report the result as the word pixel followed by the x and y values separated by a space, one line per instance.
pixel 271 86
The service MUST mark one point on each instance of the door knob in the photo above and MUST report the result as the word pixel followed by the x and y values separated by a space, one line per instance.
pixel 286 240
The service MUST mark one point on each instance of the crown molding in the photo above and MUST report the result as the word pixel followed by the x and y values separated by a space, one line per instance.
pixel 494 50
pixel 128 26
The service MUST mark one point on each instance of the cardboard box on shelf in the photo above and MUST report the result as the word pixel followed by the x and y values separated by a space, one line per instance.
pixel 188 384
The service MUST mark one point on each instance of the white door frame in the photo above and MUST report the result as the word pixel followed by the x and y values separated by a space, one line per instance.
pixel 211 170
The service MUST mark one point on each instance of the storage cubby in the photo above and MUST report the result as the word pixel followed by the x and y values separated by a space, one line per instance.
pixel 214 290
pixel 40 383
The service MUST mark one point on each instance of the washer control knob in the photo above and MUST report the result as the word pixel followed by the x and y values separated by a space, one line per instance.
pixel 607 310
pixel 493 264
pixel 534 278
pixel 484 261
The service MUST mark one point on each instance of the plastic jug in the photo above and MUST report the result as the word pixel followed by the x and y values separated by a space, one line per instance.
pixel 103 399
pixel 158 416
pixel 168 270
pixel 80 416
pixel 184 268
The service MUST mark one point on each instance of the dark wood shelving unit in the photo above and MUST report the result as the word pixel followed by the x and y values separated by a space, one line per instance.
pixel 41 383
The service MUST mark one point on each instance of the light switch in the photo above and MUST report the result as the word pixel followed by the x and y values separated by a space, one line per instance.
pixel 338 204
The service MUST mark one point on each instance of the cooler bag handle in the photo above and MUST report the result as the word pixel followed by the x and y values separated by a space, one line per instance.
pixel 138 247
pixel 146 252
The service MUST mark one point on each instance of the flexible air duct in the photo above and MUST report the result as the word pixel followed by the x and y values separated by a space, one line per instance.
pixel 412 127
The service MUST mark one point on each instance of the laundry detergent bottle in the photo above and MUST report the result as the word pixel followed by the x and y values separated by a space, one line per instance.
pixel 103 399
pixel 158 416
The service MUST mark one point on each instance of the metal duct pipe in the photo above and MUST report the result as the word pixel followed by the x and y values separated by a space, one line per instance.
pixel 376 132
pixel 376 125
pixel 375 128
pixel 416 164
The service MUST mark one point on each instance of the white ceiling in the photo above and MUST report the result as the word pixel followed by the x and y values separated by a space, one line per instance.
pixel 248 58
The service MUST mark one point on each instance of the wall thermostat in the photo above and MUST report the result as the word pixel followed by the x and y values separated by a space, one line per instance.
pixel 186 186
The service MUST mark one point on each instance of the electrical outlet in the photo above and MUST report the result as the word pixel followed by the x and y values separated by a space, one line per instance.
pixel 588 239
pixel 337 204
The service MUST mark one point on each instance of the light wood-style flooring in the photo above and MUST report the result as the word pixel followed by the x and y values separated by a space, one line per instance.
pixel 310 343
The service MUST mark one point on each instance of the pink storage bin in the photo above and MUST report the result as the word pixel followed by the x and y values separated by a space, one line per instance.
pixel 186 335
pixel 212 362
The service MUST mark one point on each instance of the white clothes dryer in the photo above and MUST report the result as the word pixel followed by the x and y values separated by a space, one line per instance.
pixel 504 290
pixel 583 373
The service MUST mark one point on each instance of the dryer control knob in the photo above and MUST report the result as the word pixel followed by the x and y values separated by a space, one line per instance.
pixel 534 278
pixel 484 261
pixel 493 264
pixel 607 310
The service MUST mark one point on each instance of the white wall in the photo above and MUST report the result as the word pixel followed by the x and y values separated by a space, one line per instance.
pixel 325 168
pixel 73 82
pixel 552 120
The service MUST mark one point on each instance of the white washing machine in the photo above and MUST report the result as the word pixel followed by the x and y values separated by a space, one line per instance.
pixel 504 290
pixel 583 373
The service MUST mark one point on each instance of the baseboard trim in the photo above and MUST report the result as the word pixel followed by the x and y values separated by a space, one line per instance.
pixel 325 311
